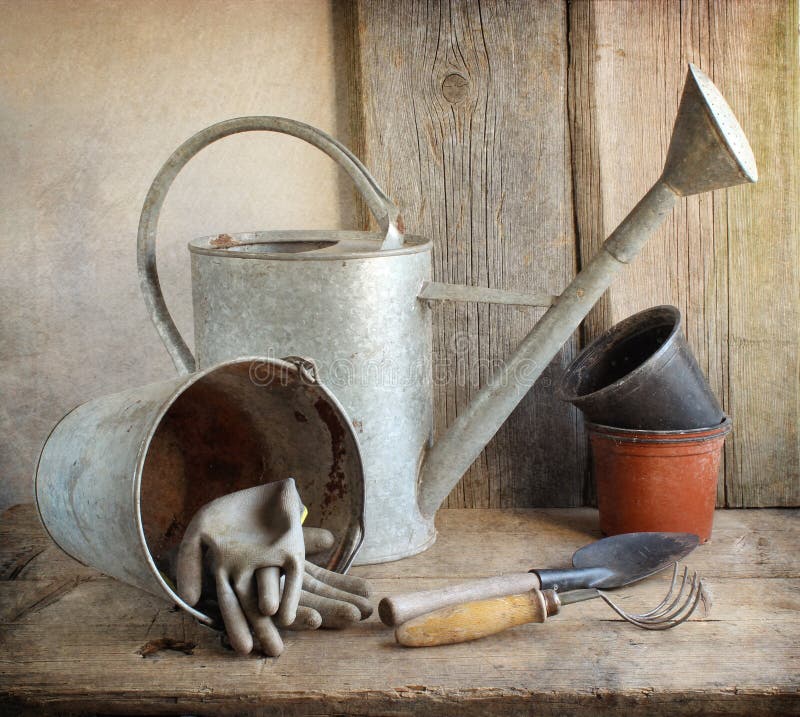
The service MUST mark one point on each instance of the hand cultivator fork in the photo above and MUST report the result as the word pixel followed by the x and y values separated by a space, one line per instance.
pixel 470 621
pixel 670 612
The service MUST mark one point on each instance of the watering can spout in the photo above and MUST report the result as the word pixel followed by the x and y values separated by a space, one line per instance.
pixel 708 150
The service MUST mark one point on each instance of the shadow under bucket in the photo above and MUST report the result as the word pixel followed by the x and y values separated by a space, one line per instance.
pixel 654 481
pixel 641 374
pixel 120 477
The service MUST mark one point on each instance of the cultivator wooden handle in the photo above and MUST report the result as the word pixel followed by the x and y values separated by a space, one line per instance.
pixel 482 618
pixel 394 610
pixel 477 619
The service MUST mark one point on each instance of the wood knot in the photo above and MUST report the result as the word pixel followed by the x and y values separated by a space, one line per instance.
pixel 455 88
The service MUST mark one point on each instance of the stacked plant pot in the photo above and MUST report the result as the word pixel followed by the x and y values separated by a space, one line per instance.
pixel 655 427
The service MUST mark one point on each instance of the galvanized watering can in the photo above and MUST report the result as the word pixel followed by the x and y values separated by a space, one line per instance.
pixel 357 302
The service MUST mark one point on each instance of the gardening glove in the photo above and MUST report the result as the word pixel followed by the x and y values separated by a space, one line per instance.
pixel 331 599
pixel 238 531
pixel 250 537
pixel 328 599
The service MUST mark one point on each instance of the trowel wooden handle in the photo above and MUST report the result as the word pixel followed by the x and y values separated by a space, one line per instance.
pixel 397 609
pixel 473 620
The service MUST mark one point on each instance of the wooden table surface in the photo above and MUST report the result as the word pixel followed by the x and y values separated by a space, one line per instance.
pixel 72 639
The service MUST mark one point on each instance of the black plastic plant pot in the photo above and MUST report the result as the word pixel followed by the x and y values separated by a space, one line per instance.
pixel 641 374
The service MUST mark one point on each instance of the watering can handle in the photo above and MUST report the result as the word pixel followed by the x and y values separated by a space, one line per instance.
pixel 383 209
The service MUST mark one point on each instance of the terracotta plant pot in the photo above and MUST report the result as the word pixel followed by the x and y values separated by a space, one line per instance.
pixel 657 480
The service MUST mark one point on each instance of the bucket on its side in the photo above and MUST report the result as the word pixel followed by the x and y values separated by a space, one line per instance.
pixel 642 374
pixel 120 477
pixel 652 481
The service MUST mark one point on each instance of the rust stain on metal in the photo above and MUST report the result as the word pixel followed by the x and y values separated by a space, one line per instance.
pixel 204 448
pixel 223 241
pixel 336 486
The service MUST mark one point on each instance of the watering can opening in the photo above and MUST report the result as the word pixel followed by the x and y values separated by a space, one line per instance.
pixel 305 244
pixel 278 247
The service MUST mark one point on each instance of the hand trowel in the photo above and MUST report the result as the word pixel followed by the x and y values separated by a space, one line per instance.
pixel 605 564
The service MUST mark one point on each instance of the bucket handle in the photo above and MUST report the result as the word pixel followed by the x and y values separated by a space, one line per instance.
pixel 383 209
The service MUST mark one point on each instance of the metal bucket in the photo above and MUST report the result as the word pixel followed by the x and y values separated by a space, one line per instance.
pixel 120 477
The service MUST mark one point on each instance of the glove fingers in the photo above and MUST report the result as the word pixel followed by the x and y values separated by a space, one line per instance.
pixel 307 619
pixel 311 584
pixel 293 583
pixel 189 568
pixel 288 501
pixel 268 636
pixel 334 613
pixel 268 581
pixel 264 628
pixel 317 540
pixel 235 622
pixel 349 583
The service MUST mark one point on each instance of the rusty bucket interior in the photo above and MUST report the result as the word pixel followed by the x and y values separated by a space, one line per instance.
pixel 243 425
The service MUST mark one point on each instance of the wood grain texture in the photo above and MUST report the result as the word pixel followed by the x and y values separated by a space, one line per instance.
pixel 397 609
pixel 465 126
pixel 758 60
pixel 728 260
pixel 74 640
pixel 472 620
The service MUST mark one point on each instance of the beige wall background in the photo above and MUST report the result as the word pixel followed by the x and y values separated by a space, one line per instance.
pixel 94 96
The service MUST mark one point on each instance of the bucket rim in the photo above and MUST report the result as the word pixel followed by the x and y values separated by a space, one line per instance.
pixel 180 389
pixel 644 435
pixel 566 388
pixel 36 484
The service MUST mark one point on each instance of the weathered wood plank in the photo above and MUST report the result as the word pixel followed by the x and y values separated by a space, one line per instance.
pixel 727 260
pixel 81 651
pixel 465 125
pixel 761 545
pixel 757 54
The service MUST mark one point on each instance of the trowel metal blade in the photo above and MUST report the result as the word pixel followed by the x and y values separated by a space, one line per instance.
pixel 634 556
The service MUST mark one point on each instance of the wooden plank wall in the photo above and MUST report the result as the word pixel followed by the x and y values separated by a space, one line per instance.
pixel 518 134
pixel 728 259
pixel 465 125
